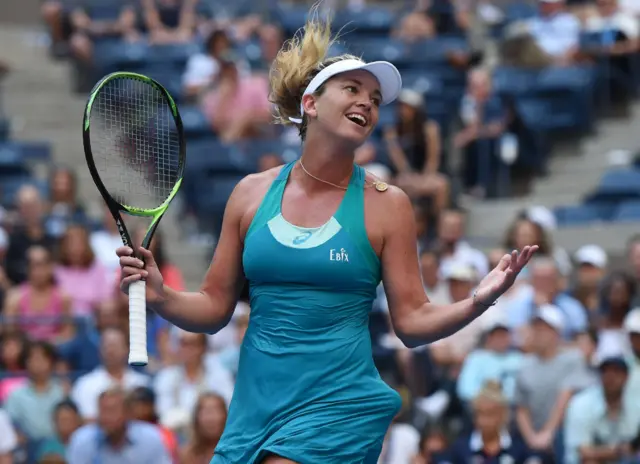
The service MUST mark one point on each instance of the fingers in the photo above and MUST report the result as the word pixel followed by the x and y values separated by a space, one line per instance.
pixel 504 263
pixel 124 251
pixel 147 255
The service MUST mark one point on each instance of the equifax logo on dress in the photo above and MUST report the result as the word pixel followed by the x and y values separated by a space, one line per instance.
pixel 338 255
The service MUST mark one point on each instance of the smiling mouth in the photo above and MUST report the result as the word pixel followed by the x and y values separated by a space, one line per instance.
pixel 357 119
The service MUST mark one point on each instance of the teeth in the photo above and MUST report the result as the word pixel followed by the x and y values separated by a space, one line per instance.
pixel 357 118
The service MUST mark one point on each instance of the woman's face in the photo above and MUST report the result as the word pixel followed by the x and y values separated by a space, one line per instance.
pixel 39 365
pixel 212 417
pixel 76 245
pixel 11 351
pixel 219 45
pixel 525 234
pixel 40 269
pixel 62 187
pixel 619 296
pixel 354 94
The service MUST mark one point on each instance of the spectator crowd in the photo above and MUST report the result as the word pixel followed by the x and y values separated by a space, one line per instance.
pixel 550 374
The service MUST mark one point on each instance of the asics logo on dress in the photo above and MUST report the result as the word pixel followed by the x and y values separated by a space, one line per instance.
pixel 338 255
pixel 302 238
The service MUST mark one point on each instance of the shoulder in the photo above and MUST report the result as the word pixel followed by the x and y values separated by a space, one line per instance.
pixel 84 436
pixel 148 432
pixel 572 356
pixel 254 184
pixel 13 296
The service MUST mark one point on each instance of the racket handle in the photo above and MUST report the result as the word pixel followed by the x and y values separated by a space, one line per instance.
pixel 138 324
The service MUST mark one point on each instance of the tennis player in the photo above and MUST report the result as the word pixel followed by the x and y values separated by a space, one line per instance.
pixel 313 239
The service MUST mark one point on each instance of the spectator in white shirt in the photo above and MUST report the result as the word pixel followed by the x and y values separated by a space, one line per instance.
pixel 451 229
pixel 8 439
pixel 114 372
pixel 178 387
pixel 104 243
pixel 556 31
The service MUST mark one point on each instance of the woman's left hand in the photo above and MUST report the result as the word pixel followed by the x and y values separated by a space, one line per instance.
pixel 503 275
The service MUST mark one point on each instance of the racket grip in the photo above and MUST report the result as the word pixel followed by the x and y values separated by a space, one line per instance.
pixel 138 324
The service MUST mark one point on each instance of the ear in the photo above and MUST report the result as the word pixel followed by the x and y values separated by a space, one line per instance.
pixel 309 105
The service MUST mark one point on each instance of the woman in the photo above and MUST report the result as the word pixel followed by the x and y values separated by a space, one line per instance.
pixel 313 240
pixel 12 348
pixel 64 206
pixel 80 274
pixel 415 149
pixel 40 307
pixel 209 417
pixel 615 303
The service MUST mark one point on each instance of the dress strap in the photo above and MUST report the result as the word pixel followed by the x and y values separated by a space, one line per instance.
pixel 270 205
pixel 350 215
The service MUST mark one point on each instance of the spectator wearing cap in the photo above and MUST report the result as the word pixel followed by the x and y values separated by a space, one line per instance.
pixel 546 288
pixel 414 145
pixel 602 420
pixel 632 327
pixel 113 372
pixel 549 376
pixel 454 248
pixel 490 440
pixel 115 438
pixel 495 361
pixel 591 262
pixel 143 408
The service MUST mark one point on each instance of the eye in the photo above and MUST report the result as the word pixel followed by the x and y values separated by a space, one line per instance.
pixel 351 88
pixel 376 101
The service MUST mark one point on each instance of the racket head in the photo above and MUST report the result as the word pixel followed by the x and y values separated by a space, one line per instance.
pixel 131 124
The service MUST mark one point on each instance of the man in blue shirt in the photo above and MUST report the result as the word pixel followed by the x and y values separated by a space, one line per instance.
pixel 115 439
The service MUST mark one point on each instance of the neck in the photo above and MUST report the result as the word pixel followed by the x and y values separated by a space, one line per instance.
pixel 117 439
pixel 491 441
pixel 614 401
pixel 117 372
pixel 327 161
pixel 549 351
pixel 34 230
pixel 40 384
pixel 193 370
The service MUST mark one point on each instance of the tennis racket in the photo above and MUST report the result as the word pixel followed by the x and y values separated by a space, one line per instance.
pixel 135 150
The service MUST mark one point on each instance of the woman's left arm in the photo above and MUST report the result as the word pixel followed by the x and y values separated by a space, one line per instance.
pixel 415 319
pixel 433 145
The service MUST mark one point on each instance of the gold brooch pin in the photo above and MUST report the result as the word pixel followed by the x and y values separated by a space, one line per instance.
pixel 381 186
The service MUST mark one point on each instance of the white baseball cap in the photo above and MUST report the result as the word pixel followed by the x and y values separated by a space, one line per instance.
pixel 387 74
pixel 593 255
pixel 551 315
pixel 632 321
pixel 460 272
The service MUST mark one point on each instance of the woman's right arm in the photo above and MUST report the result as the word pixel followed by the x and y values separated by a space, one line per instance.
pixel 210 309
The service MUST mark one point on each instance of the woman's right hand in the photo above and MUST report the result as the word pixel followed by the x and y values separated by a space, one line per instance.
pixel 133 269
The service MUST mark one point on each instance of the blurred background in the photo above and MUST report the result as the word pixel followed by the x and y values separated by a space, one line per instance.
pixel 517 125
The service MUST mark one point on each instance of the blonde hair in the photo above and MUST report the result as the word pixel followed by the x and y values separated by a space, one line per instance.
pixel 491 391
pixel 296 64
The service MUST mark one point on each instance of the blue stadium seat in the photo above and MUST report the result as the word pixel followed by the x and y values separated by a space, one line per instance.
pixel 380 48
pixel 619 184
pixel 436 49
pixel 9 188
pixel 103 10
pixel 518 11
pixel 629 211
pixel 173 54
pixel 373 19
pixel 212 157
pixel 577 215
pixel 4 129
pixel 28 151
pixel 195 123
pixel 514 81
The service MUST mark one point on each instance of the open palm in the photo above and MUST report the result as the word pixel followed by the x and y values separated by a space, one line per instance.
pixel 503 275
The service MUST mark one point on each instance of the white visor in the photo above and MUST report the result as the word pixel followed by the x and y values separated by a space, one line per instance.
pixel 387 74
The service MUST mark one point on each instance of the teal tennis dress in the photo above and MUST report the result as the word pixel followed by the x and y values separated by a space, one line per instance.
pixel 307 388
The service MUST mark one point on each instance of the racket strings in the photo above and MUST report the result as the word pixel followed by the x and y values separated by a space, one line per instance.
pixel 135 142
